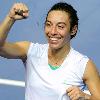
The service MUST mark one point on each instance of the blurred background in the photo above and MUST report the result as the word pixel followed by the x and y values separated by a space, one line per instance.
pixel 32 29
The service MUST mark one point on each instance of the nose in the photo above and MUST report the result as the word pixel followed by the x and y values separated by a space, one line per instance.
pixel 53 30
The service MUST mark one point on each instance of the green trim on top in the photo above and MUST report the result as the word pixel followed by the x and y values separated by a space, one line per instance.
pixel 53 67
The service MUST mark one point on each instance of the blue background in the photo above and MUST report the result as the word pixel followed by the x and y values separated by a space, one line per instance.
pixel 87 40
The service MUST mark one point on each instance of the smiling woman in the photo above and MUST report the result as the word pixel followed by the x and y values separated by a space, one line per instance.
pixel 54 71
pixel 57 29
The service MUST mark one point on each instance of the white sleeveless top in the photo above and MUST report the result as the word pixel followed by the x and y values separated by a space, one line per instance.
pixel 43 83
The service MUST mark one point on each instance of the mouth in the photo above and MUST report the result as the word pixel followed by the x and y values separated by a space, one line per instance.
pixel 53 39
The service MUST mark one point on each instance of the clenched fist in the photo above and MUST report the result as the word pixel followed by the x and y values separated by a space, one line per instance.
pixel 75 93
pixel 19 11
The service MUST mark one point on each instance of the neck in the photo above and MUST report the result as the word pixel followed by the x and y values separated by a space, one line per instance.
pixel 58 54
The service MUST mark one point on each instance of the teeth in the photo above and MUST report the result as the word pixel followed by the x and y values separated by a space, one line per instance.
pixel 54 39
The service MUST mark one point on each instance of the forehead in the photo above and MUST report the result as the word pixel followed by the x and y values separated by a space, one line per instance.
pixel 58 16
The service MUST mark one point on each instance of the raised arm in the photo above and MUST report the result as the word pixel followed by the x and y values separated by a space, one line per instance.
pixel 18 11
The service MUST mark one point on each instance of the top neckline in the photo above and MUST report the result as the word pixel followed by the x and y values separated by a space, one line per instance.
pixel 65 60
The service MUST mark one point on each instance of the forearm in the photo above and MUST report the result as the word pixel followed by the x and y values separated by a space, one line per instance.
pixel 5 26
pixel 90 97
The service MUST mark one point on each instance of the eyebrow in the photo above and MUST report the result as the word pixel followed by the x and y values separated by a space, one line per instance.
pixel 47 21
pixel 57 23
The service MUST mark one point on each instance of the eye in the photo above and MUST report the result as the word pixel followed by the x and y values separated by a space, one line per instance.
pixel 47 24
pixel 61 26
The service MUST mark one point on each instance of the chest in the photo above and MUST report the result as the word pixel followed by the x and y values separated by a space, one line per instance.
pixel 41 73
pixel 41 78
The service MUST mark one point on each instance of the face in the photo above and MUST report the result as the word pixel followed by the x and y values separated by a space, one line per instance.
pixel 57 29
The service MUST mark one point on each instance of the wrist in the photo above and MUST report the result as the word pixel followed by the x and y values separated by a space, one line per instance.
pixel 87 97
pixel 11 18
pixel 8 21
pixel 84 97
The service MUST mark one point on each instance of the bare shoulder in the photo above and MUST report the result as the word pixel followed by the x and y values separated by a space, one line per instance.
pixel 23 44
pixel 91 70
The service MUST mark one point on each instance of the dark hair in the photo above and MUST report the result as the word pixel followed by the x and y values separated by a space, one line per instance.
pixel 63 6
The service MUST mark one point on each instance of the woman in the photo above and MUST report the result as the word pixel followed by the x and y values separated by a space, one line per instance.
pixel 54 71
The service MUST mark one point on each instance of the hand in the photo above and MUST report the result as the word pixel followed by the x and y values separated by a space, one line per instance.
pixel 19 11
pixel 75 93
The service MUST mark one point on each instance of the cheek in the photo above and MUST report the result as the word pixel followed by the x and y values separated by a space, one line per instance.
pixel 46 30
pixel 67 36
pixel 65 33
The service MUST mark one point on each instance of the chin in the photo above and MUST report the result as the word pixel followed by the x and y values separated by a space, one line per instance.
pixel 54 46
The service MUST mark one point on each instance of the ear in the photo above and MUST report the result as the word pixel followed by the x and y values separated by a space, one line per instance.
pixel 74 30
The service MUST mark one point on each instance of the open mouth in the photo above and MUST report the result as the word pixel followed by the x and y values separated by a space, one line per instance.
pixel 54 39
